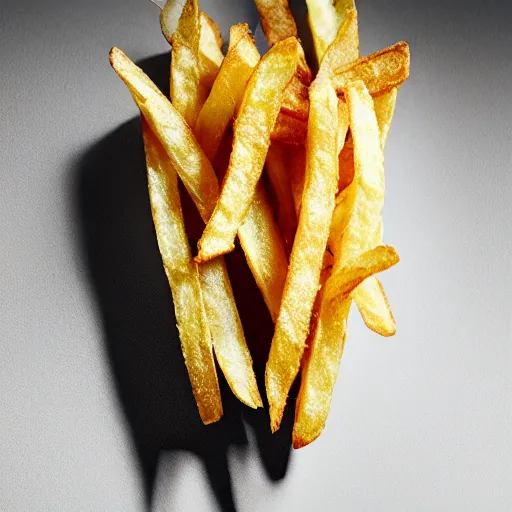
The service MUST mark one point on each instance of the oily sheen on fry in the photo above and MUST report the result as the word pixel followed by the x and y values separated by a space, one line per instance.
pixel 256 118
pixel 302 281
pixel 183 279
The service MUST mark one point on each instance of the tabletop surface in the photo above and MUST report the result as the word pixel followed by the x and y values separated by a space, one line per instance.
pixel 420 421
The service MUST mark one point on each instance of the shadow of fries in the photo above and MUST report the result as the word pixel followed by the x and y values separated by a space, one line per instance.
pixel 119 247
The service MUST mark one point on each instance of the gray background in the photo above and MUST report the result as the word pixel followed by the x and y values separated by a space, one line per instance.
pixel 419 422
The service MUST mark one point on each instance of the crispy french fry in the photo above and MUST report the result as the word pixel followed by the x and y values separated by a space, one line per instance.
pixel 381 71
pixel 384 110
pixel 325 346
pixel 325 19
pixel 277 171
pixel 267 260
pixel 295 99
pixel 187 92
pixel 170 16
pixel 276 20
pixel 183 279
pixel 344 49
pixel 302 281
pixel 210 51
pixel 257 116
pixel 228 89
pixel 364 204
pixel 289 130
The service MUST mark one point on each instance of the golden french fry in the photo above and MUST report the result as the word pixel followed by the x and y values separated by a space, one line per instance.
pixel 364 200
pixel 256 118
pixel 187 92
pixel 228 89
pixel 289 130
pixel 343 281
pixel 267 260
pixel 344 49
pixel 276 20
pixel 295 99
pixel 297 168
pixel 381 71
pixel 183 278
pixel 325 346
pixel 210 51
pixel 277 171
pixel 302 281
pixel 325 19
pixel 170 16
pixel 384 110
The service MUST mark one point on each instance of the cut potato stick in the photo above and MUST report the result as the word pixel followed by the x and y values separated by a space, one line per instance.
pixel 183 278
pixel 210 51
pixel 256 118
pixel 170 16
pixel 344 49
pixel 381 72
pixel 302 281
pixel 295 99
pixel 384 110
pixel 325 347
pixel 227 91
pixel 364 204
pixel 289 130
pixel 277 170
pixel 325 19
pixel 276 20
pixel 267 261
pixel 187 92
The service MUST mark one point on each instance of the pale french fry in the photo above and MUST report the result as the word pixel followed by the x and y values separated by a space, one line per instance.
pixel 384 110
pixel 325 345
pixel 289 130
pixel 302 281
pixel 170 16
pixel 256 118
pixel 277 170
pixel 325 19
pixel 227 91
pixel 344 48
pixel 210 51
pixel 267 260
pixel 364 202
pixel 187 92
pixel 183 278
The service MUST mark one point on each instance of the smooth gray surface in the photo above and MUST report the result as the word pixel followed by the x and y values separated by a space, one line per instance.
pixel 419 422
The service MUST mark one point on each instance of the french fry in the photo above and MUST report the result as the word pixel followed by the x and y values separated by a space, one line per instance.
pixel 325 19
pixel 227 91
pixel 183 278
pixel 276 20
pixel 381 72
pixel 267 260
pixel 384 110
pixel 344 49
pixel 256 118
pixel 277 170
pixel 187 92
pixel 289 130
pixel 364 202
pixel 295 99
pixel 210 51
pixel 297 167
pixel 302 281
pixel 170 16
pixel 325 347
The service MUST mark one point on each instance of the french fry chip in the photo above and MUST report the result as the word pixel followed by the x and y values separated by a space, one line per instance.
pixel 308 249
pixel 295 99
pixel 267 260
pixel 289 130
pixel 325 19
pixel 276 20
pixel 345 47
pixel 381 71
pixel 170 16
pixel 277 171
pixel 183 279
pixel 364 202
pixel 325 346
pixel 227 91
pixel 187 92
pixel 384 110
pixel 253 126
pixel 210 51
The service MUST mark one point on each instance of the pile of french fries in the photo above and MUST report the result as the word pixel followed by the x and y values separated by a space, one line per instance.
pixel 320 140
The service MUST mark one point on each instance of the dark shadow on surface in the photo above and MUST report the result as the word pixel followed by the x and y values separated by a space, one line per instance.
pixel 118 245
